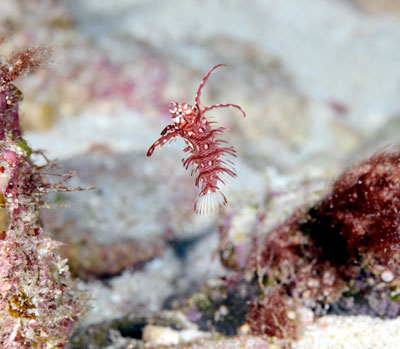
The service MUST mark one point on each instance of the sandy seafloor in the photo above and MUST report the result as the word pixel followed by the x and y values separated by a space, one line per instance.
pixel 320 83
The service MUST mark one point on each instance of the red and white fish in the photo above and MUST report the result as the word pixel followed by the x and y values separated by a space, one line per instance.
pixel 209 156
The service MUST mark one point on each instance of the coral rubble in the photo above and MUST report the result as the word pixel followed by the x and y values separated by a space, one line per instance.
pixel 38 301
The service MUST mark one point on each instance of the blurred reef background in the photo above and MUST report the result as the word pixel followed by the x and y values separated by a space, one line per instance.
pixel 320 83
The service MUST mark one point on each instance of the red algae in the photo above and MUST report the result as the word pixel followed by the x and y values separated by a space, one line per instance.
pixel 362 212
pixel 274 316
pixel 339 256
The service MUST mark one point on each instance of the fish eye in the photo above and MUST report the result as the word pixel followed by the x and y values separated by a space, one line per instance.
pixel 173 108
